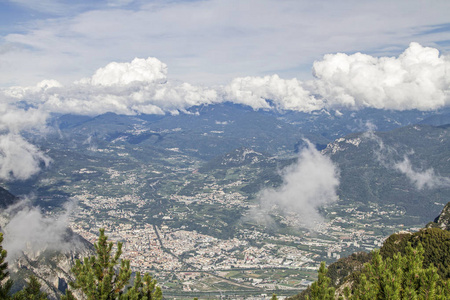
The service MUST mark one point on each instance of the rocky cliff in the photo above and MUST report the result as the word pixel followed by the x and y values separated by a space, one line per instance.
pixel 443 220
pixel 51 267
pixel 49 262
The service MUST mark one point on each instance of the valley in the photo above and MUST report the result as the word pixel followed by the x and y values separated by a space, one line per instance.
pixel 184 213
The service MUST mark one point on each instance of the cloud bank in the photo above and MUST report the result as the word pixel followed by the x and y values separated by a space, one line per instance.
pixel 307 185
pixel 138 87
pixel 417 79
pixel 272 92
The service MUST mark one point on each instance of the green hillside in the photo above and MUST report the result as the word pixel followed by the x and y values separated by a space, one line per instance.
pixel 435 242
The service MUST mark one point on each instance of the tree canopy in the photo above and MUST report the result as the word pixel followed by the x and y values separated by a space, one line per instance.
pixel 402 276
pixel 106 277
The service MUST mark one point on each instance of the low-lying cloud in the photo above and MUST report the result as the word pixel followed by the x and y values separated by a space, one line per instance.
pixel 19 159
pixel 307 185
pixel 29 230
pixel 420 179
pixel 15 119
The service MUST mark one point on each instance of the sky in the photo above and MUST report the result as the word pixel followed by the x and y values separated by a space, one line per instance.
pixel 208 42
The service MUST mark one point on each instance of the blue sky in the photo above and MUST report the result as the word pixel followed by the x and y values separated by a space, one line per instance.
pixel 207 42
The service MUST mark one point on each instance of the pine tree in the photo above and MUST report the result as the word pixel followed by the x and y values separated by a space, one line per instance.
pixel 101 278
pixel 401 277
pixel 320 289
pixel 5 284
pixel 145 289
pixel 32 291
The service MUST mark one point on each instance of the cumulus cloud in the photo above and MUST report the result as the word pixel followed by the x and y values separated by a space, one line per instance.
pixel 140 70
pixel 307 185
pixel 140 86
pixel 417 79
pixel 272 92
pixel 124 88
pixel 29 230
pixel 220 43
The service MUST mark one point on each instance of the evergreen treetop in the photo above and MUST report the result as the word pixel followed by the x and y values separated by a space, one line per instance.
pixel 105 276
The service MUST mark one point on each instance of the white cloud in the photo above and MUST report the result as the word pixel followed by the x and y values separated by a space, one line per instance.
pixel 283 94
pixel 307 185
pixel 13 119
pixel 140 86
pixel 417 79
pixel 18 158
pixel 124 88
pixel 385 155
pixel 149 70
pixel 421 179
pixel 29 230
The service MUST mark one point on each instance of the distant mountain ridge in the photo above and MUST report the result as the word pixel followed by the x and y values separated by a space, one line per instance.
pixel 218 129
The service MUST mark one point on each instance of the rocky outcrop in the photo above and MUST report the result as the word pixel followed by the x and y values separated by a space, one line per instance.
pixel 51 267
pixel 51 263
pixel 443 220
